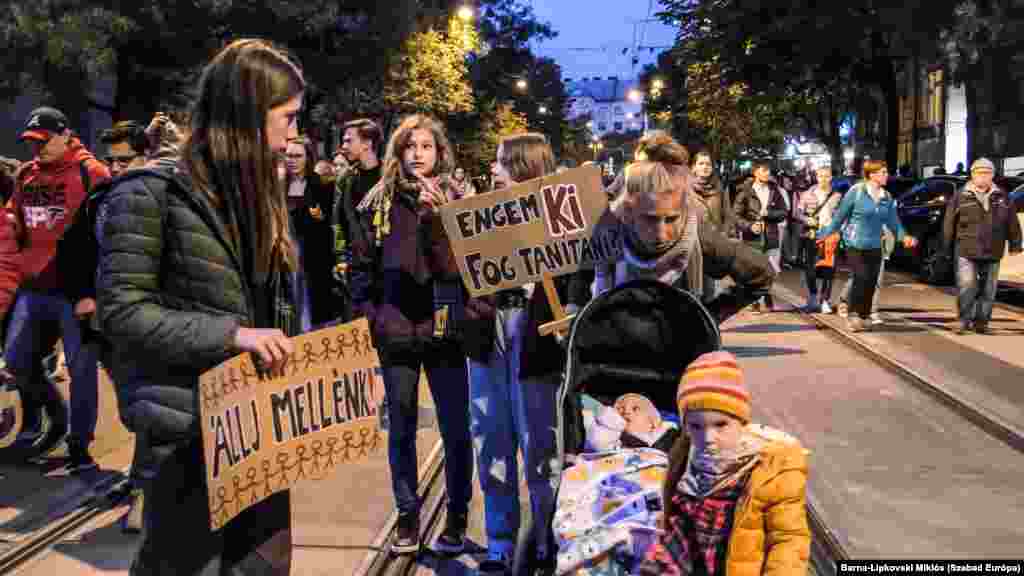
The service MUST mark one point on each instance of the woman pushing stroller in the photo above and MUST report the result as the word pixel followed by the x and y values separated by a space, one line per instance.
pixel 665 235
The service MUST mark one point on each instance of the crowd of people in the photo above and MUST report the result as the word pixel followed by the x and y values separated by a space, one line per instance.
pixel 204 235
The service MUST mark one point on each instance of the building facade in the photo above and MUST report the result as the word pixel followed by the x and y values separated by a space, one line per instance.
pixel 608 104
pixel 944 123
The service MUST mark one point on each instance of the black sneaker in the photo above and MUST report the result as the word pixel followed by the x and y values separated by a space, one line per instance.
pixel 407 536
pixel 79 459
pixel 453 539
pixel 542 565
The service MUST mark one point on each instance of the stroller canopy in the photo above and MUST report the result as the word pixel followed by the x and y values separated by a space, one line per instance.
pixel 638 338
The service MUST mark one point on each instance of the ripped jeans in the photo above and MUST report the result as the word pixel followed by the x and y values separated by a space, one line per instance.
pixel 508 414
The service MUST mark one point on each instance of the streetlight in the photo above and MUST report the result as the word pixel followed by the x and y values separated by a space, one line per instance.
pixel 635 95
pixel 465 13
pixel 658 84
pixel 521 84
pixel 543 109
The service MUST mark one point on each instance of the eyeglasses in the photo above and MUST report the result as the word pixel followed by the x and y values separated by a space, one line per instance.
pixel 122 160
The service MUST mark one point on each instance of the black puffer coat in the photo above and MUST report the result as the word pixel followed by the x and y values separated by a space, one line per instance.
pixel 171 295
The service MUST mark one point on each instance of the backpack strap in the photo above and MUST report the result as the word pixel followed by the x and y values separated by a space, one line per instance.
pixel 86 179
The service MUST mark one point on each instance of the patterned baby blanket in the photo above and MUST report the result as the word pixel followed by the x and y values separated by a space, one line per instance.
pixel 609 507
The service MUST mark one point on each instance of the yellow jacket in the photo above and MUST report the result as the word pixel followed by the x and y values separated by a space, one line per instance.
pixel 770 536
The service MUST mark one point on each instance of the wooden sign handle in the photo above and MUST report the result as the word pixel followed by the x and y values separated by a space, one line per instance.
pixel 562 321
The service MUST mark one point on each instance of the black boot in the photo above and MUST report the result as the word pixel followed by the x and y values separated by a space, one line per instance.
pixel 453 539
pixel 407 537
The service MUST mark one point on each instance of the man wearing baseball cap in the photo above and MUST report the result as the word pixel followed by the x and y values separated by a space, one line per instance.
pixel 48 192
pixel 982 220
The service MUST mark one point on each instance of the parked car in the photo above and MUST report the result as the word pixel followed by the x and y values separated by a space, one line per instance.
pixel 922 210
pixel 1011 269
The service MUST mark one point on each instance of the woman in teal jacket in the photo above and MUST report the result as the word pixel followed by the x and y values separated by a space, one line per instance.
pixel 866 207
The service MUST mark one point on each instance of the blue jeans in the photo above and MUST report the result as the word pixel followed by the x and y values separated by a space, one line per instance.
pixel 24 346
pixel 446 375
pixel 977 281
pixel 507 415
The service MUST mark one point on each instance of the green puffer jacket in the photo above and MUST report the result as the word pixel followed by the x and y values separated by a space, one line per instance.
pixel 170 292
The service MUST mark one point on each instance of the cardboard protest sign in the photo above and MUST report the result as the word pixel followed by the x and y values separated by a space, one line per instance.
pixel 263 436
pixel 514 236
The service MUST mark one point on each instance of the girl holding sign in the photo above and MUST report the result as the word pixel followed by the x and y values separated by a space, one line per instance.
pixel 408 287
pixel 513 384
pixel 194 269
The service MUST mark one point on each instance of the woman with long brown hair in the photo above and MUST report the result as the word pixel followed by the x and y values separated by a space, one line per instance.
pixel 310 201
pixel 408 286
pixel 195 263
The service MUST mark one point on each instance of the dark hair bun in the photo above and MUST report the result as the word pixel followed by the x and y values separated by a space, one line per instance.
pixel 662 148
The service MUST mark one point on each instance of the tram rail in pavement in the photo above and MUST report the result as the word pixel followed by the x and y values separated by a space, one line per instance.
pixel 973 412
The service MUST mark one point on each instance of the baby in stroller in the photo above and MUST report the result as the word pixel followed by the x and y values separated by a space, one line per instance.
pixel 628 351
pixel 632 422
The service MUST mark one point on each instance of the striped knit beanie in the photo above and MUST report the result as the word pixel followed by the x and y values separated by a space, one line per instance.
pixel 714 381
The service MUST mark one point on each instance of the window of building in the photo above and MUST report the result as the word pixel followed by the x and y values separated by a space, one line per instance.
pixel 906 115
pixel 618 110
pixel 618 126
pixel 905 153
pixel 602 126
pixel 935 98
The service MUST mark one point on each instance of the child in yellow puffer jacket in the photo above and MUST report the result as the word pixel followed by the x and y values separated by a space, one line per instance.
pixel 735 491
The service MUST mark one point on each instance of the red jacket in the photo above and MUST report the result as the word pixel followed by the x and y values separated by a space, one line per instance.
pixel 46 199
pixel 10 260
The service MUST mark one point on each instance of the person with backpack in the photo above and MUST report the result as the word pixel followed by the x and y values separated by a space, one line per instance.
pixel 48 193
pixel 813 205
pixel 867 207
pixel 665 236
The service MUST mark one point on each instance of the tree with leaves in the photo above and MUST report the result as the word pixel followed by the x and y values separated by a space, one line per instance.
pixel 58 48
pixel 828 56
pixel 431 75
pixel 476 138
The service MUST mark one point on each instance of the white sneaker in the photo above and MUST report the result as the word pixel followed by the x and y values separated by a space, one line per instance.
pixel 876 319
pixel 825 308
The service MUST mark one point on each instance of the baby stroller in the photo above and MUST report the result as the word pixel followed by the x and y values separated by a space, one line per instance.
pixel 637 338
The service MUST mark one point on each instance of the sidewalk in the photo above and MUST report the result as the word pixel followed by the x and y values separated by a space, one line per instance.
pixel 986 372
pixel 334 522
pixel 894 473
pixel 35 494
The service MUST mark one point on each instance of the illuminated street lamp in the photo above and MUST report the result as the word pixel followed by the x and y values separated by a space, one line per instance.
pixel 658 84
pixel 543 110
pixel 521 84
pixel 635 95
pixel 465 13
